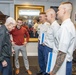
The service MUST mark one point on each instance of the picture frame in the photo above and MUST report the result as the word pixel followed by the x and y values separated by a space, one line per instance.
pixel 20 11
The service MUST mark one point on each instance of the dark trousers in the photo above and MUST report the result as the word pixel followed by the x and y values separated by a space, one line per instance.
pixel 43 56
pixel 69 68
pixel 6 70
pixel 47 50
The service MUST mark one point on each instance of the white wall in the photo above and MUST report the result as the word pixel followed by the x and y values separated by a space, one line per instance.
pixel 8 7
pixel 5 8
pixel 32 49
pixel 46 4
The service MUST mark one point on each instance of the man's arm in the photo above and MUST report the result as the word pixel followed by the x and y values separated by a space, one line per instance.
pixel 27 35
pixel 2 35
pixel 59 61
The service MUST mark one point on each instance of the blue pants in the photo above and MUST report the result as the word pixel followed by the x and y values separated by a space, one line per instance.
pixel 8 69
pixel 69 68
pixel 47 50
pixel 43 56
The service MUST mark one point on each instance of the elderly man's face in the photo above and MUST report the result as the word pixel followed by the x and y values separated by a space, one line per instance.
pixel 11 26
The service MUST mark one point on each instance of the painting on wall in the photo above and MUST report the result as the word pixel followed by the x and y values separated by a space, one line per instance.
pixel 28 13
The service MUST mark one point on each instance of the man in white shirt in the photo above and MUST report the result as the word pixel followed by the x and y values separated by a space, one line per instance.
pixel 42 29
pixel 64 40
pixel 51 32
pixel 35 27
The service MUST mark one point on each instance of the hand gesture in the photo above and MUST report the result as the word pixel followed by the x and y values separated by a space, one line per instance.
pixel 13 43
pixel 4 63
pixel 25 43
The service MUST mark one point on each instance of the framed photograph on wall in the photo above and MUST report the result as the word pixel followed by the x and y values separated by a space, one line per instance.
pixel 27 13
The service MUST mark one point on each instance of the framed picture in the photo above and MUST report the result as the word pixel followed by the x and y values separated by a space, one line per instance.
pixel 27 13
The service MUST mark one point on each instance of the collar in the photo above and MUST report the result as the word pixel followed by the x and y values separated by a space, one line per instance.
pixel 66 21
pixel 53 22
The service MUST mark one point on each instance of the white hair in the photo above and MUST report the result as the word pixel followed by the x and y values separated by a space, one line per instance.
pixel 10 20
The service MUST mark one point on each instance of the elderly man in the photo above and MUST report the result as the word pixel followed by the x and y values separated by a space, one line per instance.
pixel 5 46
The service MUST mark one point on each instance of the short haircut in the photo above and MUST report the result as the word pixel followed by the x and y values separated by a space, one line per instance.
pixel 51 11
pixel 68 6
pixel 66 3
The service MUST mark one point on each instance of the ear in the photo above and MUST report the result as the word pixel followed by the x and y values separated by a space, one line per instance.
pixel 51 15
pixel 64 10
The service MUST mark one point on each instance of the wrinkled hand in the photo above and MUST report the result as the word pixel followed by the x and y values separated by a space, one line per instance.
pixel 13 43
pixel 4 63
pixel 13 51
